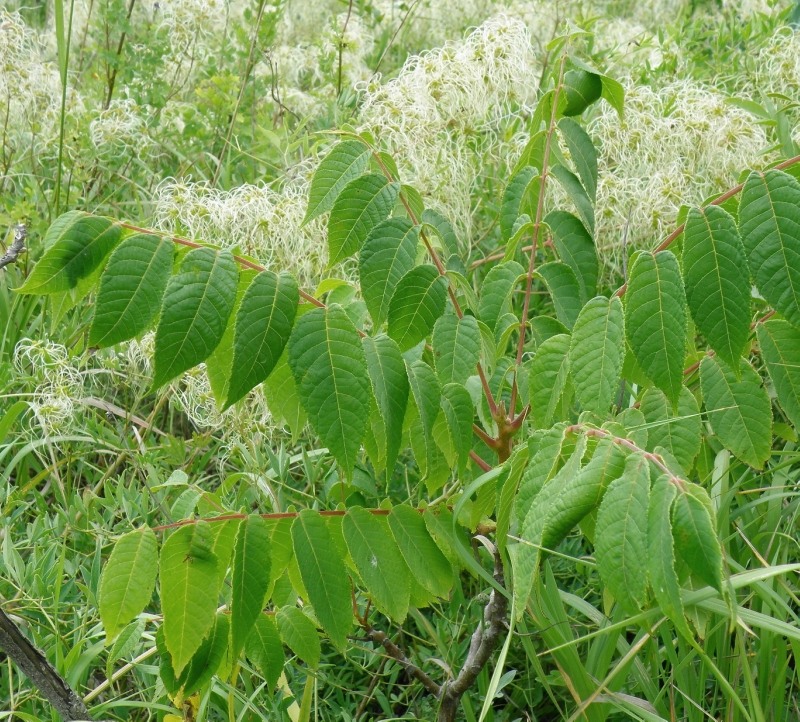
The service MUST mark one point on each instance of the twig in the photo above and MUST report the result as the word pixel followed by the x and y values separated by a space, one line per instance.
pixel 17 246
pixel 36 667
pixel 399 656
pixel 483 643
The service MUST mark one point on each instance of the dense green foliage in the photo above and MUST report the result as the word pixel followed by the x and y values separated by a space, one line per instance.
pixel 577 497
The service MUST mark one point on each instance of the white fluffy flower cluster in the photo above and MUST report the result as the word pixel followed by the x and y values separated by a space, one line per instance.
pixel 30 92
pixel 679 144
pixel 122 127
pixel 261 220
pixel 58 384
pixel 443 110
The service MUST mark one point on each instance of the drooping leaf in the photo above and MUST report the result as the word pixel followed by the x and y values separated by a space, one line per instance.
pixel 596 352
pixel 418 301
pixel 769 221
pixel 575 248
pixel 444 230
pixel 695 536
pixel 541 467
pixel 190 581
pixel 458 411
pixel 512 199
pixel 387 372
pixel 456 346
pixel 583 153
pixel 128 579
pixel 738 409
pixel 250 578
pixel 526 554
pixel 564 290
pixel 582 88
pixel 780 349
pixel 264 649
pixel 324 576
pixel 621 534
pixel 427 393
pixel 577 194
pixel 282 398
pixel 363 203
pixel 263 324
pixel 661 553
pixel 197 303
pixel 549 372
pixel 717 280
pixel 75 245
pixel 676 429
pixel 208 658
pixel 327 360
pixel 655 319
pixel 131 289
pixel 344 162
pixel 378 560
pixel 424 559
pixel 495 296
pixel 299 634
pixel 220 362
pixel 387 255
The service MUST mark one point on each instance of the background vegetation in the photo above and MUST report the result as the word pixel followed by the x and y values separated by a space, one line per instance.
pixel 207 119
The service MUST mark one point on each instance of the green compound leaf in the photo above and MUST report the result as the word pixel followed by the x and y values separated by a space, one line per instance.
pixel 324 575
pixel 428 565
pixel 661 554
pixel 577 194
pixel 264 649
pixel 677 430
pixel 780 349
pixel 495 298
pixel 621 534
pixel 575 248
pixel 250 578
pixel 717 280
pixel 363 203
pixel 387 372
pixel 76 244
pixel 299 634
pixel 417 303
pixel 378 561
pixel 512 202
pixel 345 161
pixel 695 535
pixel 190 580
pixel 456 346
pixel 131 289
pixel 263 324
pixel 197 303
pixel 596 353
pixel 128 579
pixel 738 409
pixel 330 371
pixel 388 254
pixel 549 373
pixel 583 153
pixel 769 221
pixel 655 320
pixel 564 290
